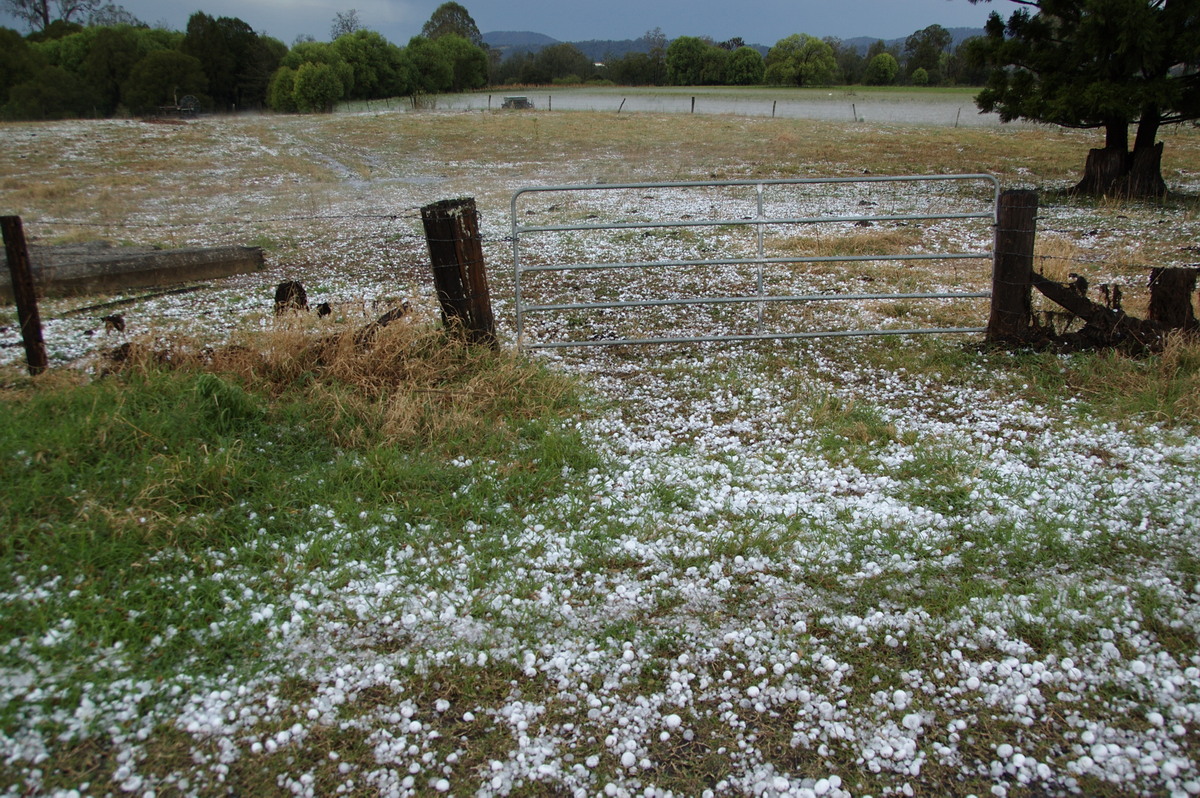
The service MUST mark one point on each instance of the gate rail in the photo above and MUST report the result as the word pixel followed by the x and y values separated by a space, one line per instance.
pixel 760 222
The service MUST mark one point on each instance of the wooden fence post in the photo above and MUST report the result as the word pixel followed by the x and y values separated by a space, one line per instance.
pixel 459 274
pixel 1012 307
pixel 1171 291
pixel 17 254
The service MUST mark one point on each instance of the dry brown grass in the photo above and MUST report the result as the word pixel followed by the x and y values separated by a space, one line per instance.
pixel 411 383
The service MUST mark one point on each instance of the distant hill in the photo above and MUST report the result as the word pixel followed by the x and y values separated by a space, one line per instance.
pixel 509 42
pixel 960 35
pixel 518 38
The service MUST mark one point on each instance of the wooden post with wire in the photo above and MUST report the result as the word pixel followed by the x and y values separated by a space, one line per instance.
pixel 17 253
pixel 459 274
pixel 1012 273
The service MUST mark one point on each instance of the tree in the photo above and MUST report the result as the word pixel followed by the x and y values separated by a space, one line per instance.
pixel 433 73
pixel 40 13
pixel 162 78
pixel 238 62
pixel 379 67
pixel 801 60
pixel 745 67
pixel 468 63
pixel 316 88
pixel 685 61
pixel 1101 64
pixel 326 53
pixel 557 62
pixel 281 91
pixel 850 62
pixel 108 64
pixel 882 70
pixel 111 14
pixel 53 93
pixel 451 18
pixel 924 50
pixel 344 23
pixel 18 62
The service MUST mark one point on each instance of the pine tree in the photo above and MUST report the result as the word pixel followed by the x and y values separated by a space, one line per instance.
pixel 1099 64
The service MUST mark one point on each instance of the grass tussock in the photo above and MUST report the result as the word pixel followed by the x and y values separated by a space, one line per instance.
pixel 1164 388
pixel 406 383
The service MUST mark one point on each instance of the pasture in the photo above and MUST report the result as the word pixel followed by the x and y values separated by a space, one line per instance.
pixel 279 561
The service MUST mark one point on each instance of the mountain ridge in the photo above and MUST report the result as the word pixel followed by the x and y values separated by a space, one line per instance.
pixel 510 42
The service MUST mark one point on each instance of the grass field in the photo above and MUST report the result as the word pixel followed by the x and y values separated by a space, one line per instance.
pixel 277 557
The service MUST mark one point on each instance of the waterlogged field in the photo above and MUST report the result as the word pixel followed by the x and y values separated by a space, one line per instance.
pixel 941 107
pixel 885 566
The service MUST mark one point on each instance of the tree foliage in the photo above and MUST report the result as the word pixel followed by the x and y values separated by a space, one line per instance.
pixel 238 62
pixel 38 14
pixel 111 14
pixel 344 23
pixel 316 87
pixel 801 60
pixel 162 78
pixel 745 67
pixel 881 70
pixel 925 49
pixel 451 18
pixel 1098 64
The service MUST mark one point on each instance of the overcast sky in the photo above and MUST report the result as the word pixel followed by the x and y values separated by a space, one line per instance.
pixel 756 21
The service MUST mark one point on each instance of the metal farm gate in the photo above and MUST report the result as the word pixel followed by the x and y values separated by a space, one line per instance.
pixel 743 260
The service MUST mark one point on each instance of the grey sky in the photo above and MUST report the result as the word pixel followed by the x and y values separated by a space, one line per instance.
pixel 756 21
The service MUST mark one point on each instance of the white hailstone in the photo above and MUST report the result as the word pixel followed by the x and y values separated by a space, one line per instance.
pixel 900 699
pixel 822 787
pixel 469 717
pixel 442 785
pixel 912 721
pixel 628 759
pixel 1004 750
pixel 973 682
pixel 664 736
pixel 753 691
pixel 751 640
pixel 592 761
pixel 1088 737
pixel 673 721
pixel 1138 667
pixel 610 789
pixel 1155 719
pixel 313 714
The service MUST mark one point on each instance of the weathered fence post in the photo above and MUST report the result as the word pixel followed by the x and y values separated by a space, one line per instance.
pixel 459 274
pixel 23 292
pixel 1012 307
pixel 1171 292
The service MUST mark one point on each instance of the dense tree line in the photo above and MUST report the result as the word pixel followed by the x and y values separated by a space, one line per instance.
pixel 926 58
pixel 86 58
pixel 117 65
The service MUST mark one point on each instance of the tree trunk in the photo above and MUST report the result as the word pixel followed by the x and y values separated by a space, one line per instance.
pixel 1103 170
pixel 1144 178
pixel 1171 292
pixel 1116 172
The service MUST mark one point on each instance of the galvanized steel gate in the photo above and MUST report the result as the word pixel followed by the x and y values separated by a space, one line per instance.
pixel 708 239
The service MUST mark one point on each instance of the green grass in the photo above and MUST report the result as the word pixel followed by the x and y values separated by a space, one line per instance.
pixel 115 489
